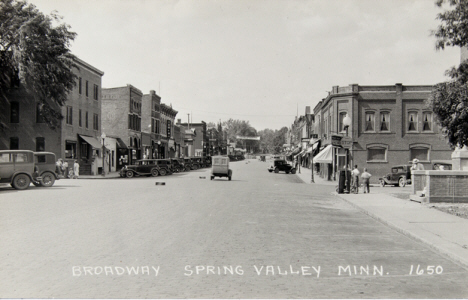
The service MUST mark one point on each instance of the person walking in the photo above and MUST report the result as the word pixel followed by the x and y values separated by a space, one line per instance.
pixel 65 169
pixel 76 170
pixel 355 174
pixel 365 180
pixel 58 167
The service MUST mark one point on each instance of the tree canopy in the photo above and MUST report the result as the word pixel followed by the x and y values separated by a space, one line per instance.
pixel 35 50
pixel 449 100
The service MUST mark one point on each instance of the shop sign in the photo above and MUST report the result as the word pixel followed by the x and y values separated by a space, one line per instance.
pixel 346 142
pixel 336 140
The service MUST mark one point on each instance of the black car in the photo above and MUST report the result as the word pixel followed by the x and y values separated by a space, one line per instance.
pixel 400 176
pixel 153 167
pixel 177 165
pixel 188 164
pixel 199 162
pixel 281 165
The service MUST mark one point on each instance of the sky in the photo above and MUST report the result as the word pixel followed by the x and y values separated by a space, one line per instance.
pixel 254 60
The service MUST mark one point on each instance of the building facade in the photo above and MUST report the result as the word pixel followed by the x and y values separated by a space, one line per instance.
pixel 390 125
pixel 168 145
pixel 78 135
pixel 151 125
pixel 196 139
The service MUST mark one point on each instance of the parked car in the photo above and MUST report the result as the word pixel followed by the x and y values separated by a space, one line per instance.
pixel 46 169
pixel 220 167
pixel 400 176
pixel 177 165
pixel 17 168
pixel 198 162
pixel 145 167
pixel 188 164
pixel 281 165
pixel 445 164
pixel 208 161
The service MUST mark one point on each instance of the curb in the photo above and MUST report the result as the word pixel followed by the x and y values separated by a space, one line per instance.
pixel 432 246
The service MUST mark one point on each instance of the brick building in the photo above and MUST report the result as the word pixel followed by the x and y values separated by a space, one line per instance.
pixel 78 135
pixel 196 139
pixel 391 125
pixel 151 128
pixel 168 145
pixel 122 121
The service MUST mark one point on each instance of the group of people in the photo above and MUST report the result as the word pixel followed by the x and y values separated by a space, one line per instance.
pixel 365 176
pixel 62 169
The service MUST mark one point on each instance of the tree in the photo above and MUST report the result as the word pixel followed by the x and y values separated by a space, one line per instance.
pixel 35 51
pixel 449 100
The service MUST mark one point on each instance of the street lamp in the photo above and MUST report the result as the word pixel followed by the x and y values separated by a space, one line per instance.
pixel 309 119
pixel 103 137
pixel 346 124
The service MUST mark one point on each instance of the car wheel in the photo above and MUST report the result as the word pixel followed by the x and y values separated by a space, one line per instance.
pixel 48 179
pixel 187 168
pixel 154 173
pixel 382 183
pixel 287 172
pixel 293 171
pixel 402 182
pixel 212 177
pixel 162 172
pixel 270 171
pixel 276 170
pixel 130 174
pixel 21 182
pixel 229 177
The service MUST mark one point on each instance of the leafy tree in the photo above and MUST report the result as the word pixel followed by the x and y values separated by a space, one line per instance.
pixel 449 100
pixel 272 141
pixel 34 51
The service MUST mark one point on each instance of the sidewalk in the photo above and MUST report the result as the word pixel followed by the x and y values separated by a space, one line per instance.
pixel 111 175
pixel 445 233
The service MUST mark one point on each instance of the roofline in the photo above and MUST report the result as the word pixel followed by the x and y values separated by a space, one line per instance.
pixel 90 67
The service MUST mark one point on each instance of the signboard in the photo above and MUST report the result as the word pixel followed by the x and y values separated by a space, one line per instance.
pixel 305 140
pixel 168 128
pixel 336 140
pixel 254 138
pixel 314 136
pixel 346 142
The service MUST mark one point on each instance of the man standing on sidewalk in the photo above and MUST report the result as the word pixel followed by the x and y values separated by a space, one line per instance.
pixel 365 180
pixel 355 174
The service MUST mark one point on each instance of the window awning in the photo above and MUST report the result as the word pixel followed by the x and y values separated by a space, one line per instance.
pixel 120 143
pixel 309 150
pixel 92 141
pixel 324 156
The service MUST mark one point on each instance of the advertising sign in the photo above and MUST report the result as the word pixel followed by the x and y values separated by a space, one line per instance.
pixel 336 140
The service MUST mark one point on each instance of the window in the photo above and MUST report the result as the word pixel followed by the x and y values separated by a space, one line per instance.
pixel 86 120
pixel 40 144
pixel 84 150
pixel 69 115
pixel 39 117
pixel 412 121
pixel 340 125
pixel 96 122
pixel 80 86
pixel 79 118
pixel 157 126
pixel 14 112
pixel 419 152
pixel 95 92
pixel 86 88
pixel 5 158
pixel 14 143
pixel 70 150
pixel 384 121
pixel 20 157
pixel 427 121
pixel 377 154
pixel 369 123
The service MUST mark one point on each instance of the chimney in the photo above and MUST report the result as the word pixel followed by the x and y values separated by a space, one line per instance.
pixel 307 110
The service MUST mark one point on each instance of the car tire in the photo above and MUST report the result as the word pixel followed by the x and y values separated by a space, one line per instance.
pixel 37 183
pixel 129 174
pixel 270 171
pixel 162 172
pixel 21 182
pixel 293 171
pixel 382 183
pixel 402 182
pixel 48 179
pixel 276 170
pixel 212 177
pixel 287 172
pixel 187 168
pixel 229 178
pixel 154 172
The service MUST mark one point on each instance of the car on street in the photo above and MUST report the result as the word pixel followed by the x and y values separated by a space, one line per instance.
pixel 177 165
pixel 147 167
pixel 400 176
pixel 188 164
pixel 441 165
pixel 282 165
pixel 18 168
pixel 220 167
pixel 46 169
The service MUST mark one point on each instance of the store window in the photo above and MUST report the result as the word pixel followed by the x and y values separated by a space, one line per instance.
pixel 370 121
pixel 70 150
pixel 40 144
pixel 14 143
pixel 377 153
pixel 384 121
pixel 412 121
pixel 427 121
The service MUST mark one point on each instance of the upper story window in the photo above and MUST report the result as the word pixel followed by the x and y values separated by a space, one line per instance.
pixel 14 143
pixel 40 144
pixel 79 118
pixel 69 115
pixel 86 88
pixel 39 117
pixel 80 86
pixel 341 118
pixel 427 121
pixel 14 112
pixel 412 121
pixel 384 121
pixel 96 122
pixel 96 92
pixel 370 121
pixel 86 120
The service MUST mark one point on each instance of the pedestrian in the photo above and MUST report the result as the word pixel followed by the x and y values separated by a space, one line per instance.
pixel 65 169
pixel 76 170
pixel 365 180
pixel 416 165
pixel 58 167
pixel 355 173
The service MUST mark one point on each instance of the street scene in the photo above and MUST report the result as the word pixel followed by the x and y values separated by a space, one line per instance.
pixel 259 235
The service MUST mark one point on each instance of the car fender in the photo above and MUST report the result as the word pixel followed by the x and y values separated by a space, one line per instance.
pixel 21 172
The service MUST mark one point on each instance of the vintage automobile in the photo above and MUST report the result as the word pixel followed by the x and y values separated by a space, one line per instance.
pixel 17 168
pixel 281 165
pixel 177 165
pixel 45 169
pixel 399 176
pixel 208 160
pixel 199 162
pixel 441 164
pixel 220 167
pixel 188 164
pixel 146 167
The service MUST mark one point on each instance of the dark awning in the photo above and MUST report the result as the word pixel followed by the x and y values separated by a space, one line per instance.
pixel 121 144
pixel 92 141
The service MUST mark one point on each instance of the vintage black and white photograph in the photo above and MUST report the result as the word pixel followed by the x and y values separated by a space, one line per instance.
pixel 233 149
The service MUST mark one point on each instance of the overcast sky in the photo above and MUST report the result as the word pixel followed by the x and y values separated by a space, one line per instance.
pixel 259 61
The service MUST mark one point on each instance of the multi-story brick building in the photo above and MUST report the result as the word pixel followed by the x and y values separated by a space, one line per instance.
pixel 390 125
pixel 78 135
pixel 151 125
pixel 196 139
pixel 168 144
pixel 122 121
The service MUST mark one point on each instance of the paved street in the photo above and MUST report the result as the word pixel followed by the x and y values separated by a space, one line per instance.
pixel 261 235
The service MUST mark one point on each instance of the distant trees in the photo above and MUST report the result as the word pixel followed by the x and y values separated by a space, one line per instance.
pixel 272 141
pixel 34 51
pixel 449 100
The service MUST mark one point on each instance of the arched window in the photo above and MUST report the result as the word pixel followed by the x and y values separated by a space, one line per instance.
pixel 377 153
pixel 340 125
